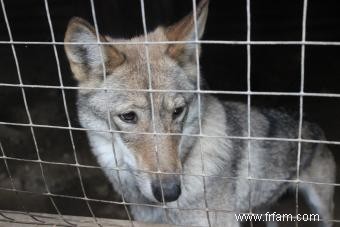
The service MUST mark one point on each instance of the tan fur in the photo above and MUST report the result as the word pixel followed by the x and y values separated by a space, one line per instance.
pixel 146 154
pixel 135 55
pixel 183 29
pixel 111 56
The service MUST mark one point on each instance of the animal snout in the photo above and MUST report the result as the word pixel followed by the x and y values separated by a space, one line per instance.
pixel 171 189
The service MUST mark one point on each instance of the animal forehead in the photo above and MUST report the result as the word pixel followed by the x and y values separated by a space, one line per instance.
pixel 163 75
pixel 168 101
pixel 139 51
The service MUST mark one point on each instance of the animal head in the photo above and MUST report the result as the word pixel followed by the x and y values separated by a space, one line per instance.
pixel 172 67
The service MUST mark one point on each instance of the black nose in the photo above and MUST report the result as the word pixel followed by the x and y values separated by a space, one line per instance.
pixel 171 189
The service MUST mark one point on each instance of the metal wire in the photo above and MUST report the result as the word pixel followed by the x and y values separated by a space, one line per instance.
pixel 302 82
pixel 154 132
pixel 249 138
pixel 27 108
pixel 66 108
pixel 164 173
pixel 249 108
pixel 108 112
pixel 19 199
pixel 226 42
pixel 136 204
pixel 199 109
pixel 329 142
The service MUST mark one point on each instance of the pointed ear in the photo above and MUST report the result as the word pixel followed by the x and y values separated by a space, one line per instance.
pixel 184 30
pixel 86 59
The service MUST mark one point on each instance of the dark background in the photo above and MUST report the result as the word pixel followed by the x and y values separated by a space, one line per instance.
pixel 273 68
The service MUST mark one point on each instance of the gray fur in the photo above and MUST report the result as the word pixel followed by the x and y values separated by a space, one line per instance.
pixel 175 69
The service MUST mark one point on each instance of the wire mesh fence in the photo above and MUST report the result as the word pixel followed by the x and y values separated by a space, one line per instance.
pixel 33 218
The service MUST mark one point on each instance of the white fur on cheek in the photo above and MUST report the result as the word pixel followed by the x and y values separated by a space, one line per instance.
pixel 144 184
pixel 102 149
pixel 143 179
pixel 125 152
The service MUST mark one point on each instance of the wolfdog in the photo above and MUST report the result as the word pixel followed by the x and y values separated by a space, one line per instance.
pixel 179 156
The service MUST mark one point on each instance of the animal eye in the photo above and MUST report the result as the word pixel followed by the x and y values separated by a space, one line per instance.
pixel 177 112
pixel 128 117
